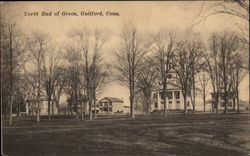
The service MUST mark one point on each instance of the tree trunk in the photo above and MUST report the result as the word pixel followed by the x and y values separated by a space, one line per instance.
pixel 213 106
pixel 217 105
pixel 38 111
pixel 225 100
pixel 76 110
pixel 132 103
pixel 39 90
pixel 11 80
pixel 234 103
pixel 132 106
pixel 81 109
pixel 193 94
pixel 11 103
pixel 108 107
pixel 32 110
pixel 49 108
pixel 149 104
pixel 76 107
pixel 204 101
pixel 185 104
pixel 28 108
pixel 95 116
pixel 90 108
pixel 164 98
pixel 18 108
pixel 6 111
pixel 238 101
pixel 38 108
pixel 53 110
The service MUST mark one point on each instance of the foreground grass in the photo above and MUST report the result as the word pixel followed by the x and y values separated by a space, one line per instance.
pixel 196 135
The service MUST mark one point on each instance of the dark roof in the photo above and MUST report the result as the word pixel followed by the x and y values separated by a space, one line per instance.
pixel 112 99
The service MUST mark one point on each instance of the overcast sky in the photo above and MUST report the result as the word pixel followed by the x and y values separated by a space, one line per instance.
pixel 149 16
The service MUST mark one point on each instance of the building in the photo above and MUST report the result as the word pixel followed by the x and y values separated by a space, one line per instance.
pixel 221 100
pixel 110 105
pixel 31 106
pixel 174 99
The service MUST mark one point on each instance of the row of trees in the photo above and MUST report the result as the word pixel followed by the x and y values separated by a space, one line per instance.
pixel 144 64
pixel 33 67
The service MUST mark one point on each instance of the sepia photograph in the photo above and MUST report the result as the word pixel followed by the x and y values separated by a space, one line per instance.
pixel 125 78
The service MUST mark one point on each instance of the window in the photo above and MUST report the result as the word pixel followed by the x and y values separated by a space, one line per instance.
pixel 101 109
pixel 110 104
pixel 105 109
pixel 105 104
pixel 170 75
pixel 170 102
pixel 229 103
pixel 155 95
pixel 170 95
pixel 101 104
pixel 177 102
pixel 110 109
pixel 161 94
pixel 188 103
pixel 162 102
pixel 177 94
pixel 156 104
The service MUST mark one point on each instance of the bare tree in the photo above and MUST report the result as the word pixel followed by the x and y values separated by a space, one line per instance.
pixel 38 45
pixel 90 46
pixel 72 77
pixel 196 62
pixel 146 81
pixel 203 80
pixel 164 44
pixel 129 59
pixel 51 73
pixel 7 32
pixel 187 52
pixel 239 72
pixel 235 8
pixel 222 47
pixel 98 70
pixel 98 81
pixel 12 53
pixel 58 87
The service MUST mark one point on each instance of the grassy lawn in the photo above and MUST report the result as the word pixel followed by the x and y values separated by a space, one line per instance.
pixel 177 134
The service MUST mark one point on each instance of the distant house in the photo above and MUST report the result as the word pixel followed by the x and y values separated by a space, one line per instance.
pixel 221 100
pixel 32 104
pixel 110 105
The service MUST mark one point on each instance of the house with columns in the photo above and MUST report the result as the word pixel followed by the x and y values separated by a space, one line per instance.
pixel 174 98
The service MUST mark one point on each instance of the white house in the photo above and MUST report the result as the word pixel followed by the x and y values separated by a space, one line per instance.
pixel 110 105
pixel 174 99
pixel 31 106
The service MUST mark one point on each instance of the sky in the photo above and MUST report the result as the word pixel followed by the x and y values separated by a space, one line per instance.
pixel 148 16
